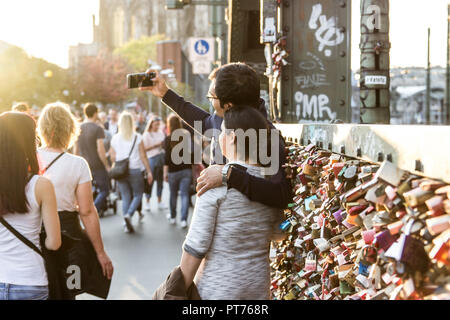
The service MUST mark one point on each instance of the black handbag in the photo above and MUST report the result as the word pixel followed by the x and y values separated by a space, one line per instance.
pixel 120 168
pixel 53 265
pixel 81 254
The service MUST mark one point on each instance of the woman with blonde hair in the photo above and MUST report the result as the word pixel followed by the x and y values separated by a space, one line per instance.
pixel 128 144
pixel 71 176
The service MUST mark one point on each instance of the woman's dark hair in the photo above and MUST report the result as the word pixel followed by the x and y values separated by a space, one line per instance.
pixel 248 118
pixel 173 123
pixel 18 160
pixel 238 84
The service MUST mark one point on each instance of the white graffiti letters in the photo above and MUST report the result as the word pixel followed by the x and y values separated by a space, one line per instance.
pixel 314 107
pixel 374 20
pixel 327 34
pixel 311 80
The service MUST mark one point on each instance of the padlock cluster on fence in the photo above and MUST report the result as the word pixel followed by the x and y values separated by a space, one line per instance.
pixel 361 231
pixel 279 57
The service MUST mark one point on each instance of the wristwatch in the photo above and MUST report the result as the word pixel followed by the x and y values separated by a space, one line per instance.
pixel 225 171
pixel 225 174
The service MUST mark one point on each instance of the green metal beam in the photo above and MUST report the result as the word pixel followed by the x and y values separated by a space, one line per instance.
pixel 375 50
pixel 179 4
pixel 209 3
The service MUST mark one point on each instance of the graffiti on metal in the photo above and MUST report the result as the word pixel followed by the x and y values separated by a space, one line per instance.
pixel 315 87
pixel 314 106
pixel 328 35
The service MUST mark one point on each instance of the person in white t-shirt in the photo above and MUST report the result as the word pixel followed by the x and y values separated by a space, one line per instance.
pixel 112 125
pixel 26 201
pixel 127 144
pixel 153 143
pixel 71 176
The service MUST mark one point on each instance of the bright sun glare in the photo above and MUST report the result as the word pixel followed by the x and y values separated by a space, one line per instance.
pixel 46 28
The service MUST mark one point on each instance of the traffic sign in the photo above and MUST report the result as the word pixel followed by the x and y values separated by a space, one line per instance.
pixel 201 67
pixel 201 49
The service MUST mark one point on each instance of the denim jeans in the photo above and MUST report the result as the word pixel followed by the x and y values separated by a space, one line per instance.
pixel 157 168
pixel 180 181
pixel 101 180
pixel 16 292
pixel 131 189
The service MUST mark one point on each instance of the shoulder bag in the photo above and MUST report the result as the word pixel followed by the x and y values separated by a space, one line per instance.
pixel 76 250
pixel 120 168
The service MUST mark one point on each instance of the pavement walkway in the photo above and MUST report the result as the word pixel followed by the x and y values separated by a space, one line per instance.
pixel 142 260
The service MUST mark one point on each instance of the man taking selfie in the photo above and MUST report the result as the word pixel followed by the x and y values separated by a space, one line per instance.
pixel 232 84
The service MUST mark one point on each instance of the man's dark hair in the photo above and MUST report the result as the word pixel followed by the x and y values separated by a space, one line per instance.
pixel 248 118
pixel 238 84
pixel 90 109
pixel 21 107
pixel 18 160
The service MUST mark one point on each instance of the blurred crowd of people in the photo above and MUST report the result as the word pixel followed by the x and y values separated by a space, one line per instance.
pixel 61 169
pixel 106 136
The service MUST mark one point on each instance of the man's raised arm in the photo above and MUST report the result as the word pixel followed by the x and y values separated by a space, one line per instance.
pixel 186 110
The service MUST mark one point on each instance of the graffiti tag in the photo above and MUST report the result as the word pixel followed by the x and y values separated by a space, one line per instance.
pixel 316 106
pixel 328 35
pixel 312 80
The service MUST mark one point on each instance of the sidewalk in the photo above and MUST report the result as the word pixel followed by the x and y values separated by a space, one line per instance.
pixel 142 260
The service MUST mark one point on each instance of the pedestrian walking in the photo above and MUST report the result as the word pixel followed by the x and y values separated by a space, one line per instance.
pixel 90 146
pixel 58 130
pixel 26 201
pixel 178 172
pixel 153 144
pixel 127 144
pixel 140 122
pixel 112 124
pixel 231 233
pixel 21 107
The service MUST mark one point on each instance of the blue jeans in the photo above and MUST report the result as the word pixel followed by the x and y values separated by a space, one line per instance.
pixel 131 189
pixel 101 180
pixel 16 292
pixel 180 181
pixel 157 168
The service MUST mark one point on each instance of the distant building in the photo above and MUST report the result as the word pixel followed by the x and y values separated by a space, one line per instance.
pixel 82 50
pixel 121 21
pixel 410 102
pixel 408 95
pixel 125 20
pixel 79 52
